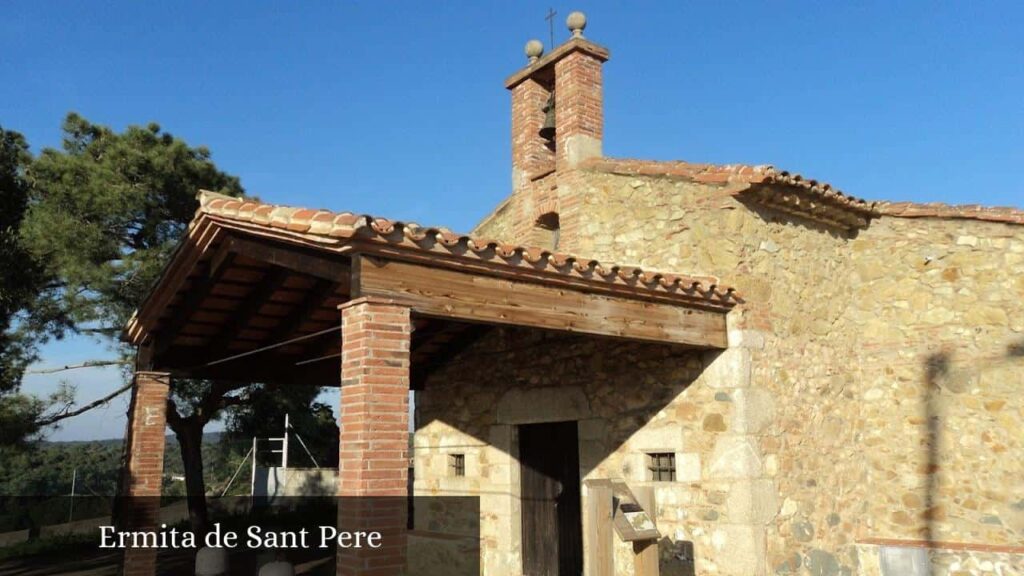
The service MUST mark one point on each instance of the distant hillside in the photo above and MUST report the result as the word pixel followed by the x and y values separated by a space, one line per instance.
pixel 46 468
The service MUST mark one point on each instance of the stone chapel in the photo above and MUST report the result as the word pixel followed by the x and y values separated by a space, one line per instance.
pixel 768 375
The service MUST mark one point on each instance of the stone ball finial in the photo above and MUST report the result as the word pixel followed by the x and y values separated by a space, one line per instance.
pixel 534 49
pixel 576 22
pixel 211 562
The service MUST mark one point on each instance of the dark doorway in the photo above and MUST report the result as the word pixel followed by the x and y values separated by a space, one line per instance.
pixel 549 463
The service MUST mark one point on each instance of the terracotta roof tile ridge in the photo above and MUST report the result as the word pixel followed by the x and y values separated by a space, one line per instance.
pixel 768 174
pixel 1000 214
pixel 823 189
pixel 695 170
pixel 751 174
pixel 349 225
pixel 765 184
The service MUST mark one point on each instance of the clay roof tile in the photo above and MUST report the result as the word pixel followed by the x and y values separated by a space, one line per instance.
pixel 413 236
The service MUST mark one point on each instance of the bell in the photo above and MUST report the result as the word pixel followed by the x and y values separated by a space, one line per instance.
pixel 547 132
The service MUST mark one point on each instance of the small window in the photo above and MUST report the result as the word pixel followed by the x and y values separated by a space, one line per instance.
pixel 662 466
pixel 457 465
pixel 546 231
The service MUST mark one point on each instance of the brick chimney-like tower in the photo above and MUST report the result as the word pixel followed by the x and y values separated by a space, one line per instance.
pixel 572 74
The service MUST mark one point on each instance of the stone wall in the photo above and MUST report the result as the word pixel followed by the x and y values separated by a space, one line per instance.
pixel 628 398
pixel 938 304
pixel 795 279
pixel 854 325
pixel 956 560
pixel 883 366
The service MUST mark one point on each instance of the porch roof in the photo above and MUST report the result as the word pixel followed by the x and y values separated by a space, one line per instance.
pixel 335 228
pixel 249 276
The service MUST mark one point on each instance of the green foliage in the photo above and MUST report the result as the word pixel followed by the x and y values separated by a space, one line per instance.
pixel 20 274
pixel 221 458
pixel 60 545
pixel 84 232
pixel 106 212
pixel 20 415
pixel 263 417
pixel 35 484
pixel 47 468
pixel 21 278
pixel 96 222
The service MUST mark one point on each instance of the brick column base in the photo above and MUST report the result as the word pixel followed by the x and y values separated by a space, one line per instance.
pixel 374 444
pixel 144 470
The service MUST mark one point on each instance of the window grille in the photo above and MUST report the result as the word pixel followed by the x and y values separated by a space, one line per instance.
pixel 661 466
pixel 457 464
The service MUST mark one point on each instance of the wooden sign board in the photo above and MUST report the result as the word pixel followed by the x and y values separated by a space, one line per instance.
pixel 629 518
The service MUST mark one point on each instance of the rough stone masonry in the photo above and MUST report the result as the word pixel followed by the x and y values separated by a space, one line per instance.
pixel 866 417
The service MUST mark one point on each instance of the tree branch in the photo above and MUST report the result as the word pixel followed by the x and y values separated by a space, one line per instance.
pixel 217 399
pixel 174 419
pixel 228 401
pixel 106 331
pixel 86 364
pixel 66 413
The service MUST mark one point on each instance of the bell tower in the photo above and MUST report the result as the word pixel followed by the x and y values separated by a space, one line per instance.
pixel 557 106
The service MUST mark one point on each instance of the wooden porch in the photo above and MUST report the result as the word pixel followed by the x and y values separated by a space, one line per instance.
pixel 283 296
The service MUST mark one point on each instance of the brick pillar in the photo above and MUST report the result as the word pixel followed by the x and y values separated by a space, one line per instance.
pixel 530 153
pixel 374 445
pixel 144 470
pixel 579 103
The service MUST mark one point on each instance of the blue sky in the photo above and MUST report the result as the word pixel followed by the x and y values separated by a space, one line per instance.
pixel 398 109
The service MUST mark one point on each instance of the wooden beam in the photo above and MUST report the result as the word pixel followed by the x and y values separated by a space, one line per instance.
pixel 239 318
pixel 448 294
pixel 598 537
pixel 325 347
pixel 186 256
pixel 258 368
pixel 193 298
pixel 303 261
pixel 466 261
pixel 321 291
pixel 645 552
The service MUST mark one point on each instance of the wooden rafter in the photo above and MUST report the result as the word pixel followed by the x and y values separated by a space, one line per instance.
pixel 303 261
pixel 322 291
pixel 198 291
pixel 240 317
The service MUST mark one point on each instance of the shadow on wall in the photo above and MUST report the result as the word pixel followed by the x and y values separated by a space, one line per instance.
pixel 681 555
pixel 939 374
pixel 773 216
pixel 618 389
pixel 1016 350
pixel 936 370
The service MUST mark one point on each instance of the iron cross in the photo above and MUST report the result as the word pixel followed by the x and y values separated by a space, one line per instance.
pixel 551 24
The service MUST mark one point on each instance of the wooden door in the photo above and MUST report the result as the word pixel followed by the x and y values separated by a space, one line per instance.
pixel 550 479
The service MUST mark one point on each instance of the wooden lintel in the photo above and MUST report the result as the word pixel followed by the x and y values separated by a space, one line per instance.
pixel 333 269
pixel 447 294
pixel 473 265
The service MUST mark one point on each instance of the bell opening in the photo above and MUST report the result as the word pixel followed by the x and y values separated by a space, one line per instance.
pixel 548 130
